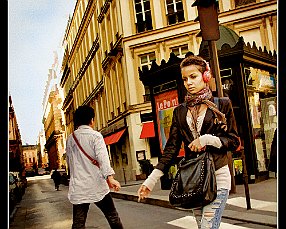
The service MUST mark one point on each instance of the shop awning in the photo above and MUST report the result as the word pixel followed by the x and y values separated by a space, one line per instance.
pixel 113 138
pixel 147 130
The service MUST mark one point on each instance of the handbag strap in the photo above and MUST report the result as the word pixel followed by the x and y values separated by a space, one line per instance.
pixel 216 101
pixel 89 157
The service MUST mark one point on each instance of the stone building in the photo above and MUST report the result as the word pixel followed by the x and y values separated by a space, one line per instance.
pixel 107 42
pixel 30 156
pixel 53 119
pixel 54 131
pixel 43 155
pixel 16 161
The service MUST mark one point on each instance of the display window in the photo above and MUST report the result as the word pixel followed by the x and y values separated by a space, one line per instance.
pixel 166 102
pixel 261 91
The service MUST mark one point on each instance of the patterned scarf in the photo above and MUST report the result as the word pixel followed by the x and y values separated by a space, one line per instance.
pixel 194 102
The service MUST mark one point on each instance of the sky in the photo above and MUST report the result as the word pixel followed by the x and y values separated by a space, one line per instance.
pixel 35 30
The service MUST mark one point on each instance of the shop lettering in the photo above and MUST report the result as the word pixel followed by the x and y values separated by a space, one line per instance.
pixel 167 104
pixel 225 86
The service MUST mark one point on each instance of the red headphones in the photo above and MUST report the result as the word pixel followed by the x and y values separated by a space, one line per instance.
pixel 207 73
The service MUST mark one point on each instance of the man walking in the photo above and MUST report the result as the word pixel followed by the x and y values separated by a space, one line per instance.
pixel 90 183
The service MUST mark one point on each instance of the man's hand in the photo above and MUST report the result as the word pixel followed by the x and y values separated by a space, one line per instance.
pixel 113 184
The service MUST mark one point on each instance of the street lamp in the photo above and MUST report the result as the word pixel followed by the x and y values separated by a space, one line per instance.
pixel 208 18
pixel 209 25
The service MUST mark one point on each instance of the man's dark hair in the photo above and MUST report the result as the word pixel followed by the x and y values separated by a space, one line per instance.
pixel 83 115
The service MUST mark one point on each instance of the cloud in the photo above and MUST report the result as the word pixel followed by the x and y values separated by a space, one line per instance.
pixel 35 31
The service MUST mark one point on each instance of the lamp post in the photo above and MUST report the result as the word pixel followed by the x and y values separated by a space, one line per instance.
pixel 215 67
pixel 208 18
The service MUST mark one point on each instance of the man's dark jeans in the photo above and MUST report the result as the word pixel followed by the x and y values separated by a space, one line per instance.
pixel 106 205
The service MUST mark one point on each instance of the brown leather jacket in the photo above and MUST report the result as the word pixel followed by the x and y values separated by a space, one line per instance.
pixel 180 132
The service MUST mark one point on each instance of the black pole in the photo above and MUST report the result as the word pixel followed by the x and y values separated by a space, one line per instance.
pixel 215 67
pixel 216 72
pixel 124 176
pixel 245 180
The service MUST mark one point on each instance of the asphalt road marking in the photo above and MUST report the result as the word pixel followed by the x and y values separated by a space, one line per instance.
pixel 255 204
pixel 190 222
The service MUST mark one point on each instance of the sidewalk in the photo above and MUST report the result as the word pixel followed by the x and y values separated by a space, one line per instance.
pixel 263 201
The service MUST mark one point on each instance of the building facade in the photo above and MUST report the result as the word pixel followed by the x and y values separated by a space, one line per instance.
pixel 107 42
pixel 53 119
pixel 43 155
pixel 30 154
pixel 16 160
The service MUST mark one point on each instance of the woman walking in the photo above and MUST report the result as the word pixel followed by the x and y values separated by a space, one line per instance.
pixel 201 126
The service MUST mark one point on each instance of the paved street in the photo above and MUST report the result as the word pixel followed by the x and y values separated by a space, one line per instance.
pixel 263 201
pixel 44 207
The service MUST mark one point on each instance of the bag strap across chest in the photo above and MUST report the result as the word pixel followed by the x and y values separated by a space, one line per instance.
pixel 89 157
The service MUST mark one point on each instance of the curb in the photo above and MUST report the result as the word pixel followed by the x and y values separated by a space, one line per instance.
pixel 149 200
pixel 265 219
pixel 228 214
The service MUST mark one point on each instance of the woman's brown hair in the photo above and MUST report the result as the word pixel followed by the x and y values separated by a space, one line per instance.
pixel 194 60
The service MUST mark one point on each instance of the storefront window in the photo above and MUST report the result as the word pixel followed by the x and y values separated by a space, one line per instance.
pixel 261 89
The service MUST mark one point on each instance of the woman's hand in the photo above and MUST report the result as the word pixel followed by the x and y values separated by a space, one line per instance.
pixel 196 146
pixel 143 192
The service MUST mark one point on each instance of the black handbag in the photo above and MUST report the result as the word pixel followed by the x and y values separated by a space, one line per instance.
pixel 195 182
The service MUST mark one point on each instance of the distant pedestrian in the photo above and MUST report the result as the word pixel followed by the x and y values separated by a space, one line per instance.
pixel 90 183
pixel 56 176
pixel 201 126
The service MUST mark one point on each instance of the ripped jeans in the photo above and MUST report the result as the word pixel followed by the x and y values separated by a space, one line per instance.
pixel 210 215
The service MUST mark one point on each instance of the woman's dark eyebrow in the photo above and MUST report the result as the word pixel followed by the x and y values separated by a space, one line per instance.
pixel 192 74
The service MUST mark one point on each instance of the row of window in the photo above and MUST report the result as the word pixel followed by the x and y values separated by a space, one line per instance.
pixel 31 160
pixel 147 59
pixel 93 73
pixel 174 12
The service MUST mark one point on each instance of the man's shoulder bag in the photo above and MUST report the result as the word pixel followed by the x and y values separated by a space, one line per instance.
pixel 93 161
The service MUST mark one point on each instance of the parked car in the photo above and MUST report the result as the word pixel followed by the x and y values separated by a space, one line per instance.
pixel 15 191
pixel 12 197
pixel 30 172
pixel 42 171
pixel 21 182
